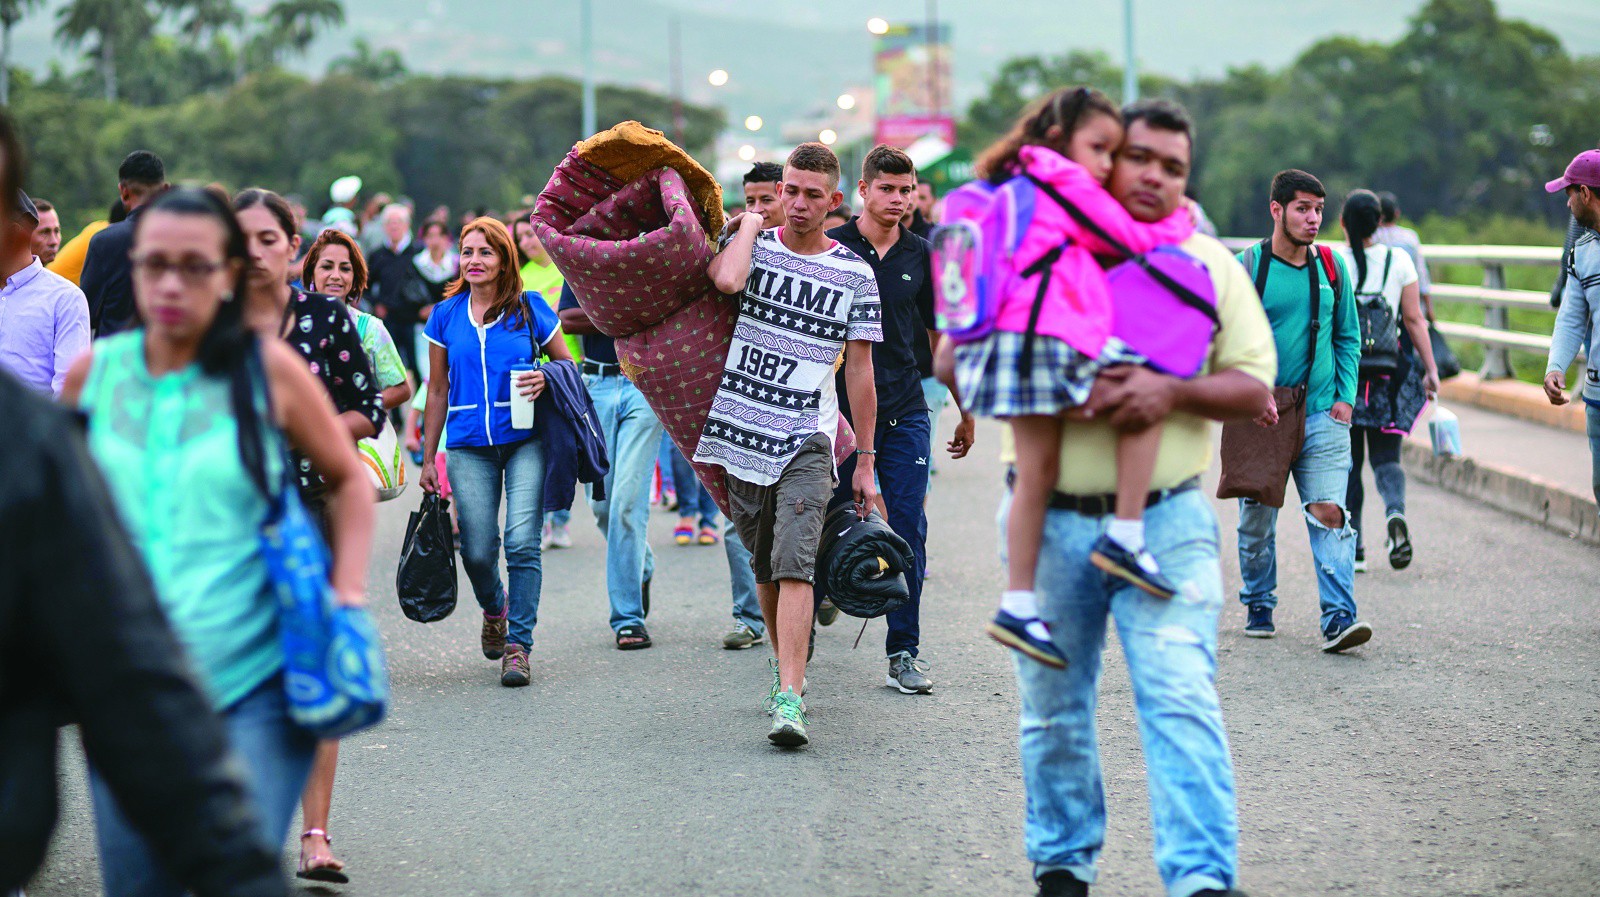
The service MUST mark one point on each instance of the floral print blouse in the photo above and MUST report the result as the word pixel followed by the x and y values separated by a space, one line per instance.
pixel 320 329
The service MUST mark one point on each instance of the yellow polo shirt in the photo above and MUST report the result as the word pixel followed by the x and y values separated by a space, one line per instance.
pixel 69 258
pixel 1243 343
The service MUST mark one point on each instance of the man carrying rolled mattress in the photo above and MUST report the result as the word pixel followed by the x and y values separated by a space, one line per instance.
pixel 805 302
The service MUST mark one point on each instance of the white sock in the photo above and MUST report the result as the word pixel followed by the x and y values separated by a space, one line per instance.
pixel 1127 533
pixel 1024 605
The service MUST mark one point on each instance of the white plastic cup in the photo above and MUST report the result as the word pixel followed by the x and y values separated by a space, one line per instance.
pixel 521 405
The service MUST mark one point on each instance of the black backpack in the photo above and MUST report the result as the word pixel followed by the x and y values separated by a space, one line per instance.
pixel 1380 327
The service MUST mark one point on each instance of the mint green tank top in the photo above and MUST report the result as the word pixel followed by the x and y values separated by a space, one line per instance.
pixel 169 449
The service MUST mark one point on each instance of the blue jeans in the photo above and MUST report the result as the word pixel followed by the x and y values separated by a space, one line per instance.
pixel 903 448
pixel 746 603
pixel 1321 474
pixel 633 436
pixel 1171 651
pixel 693 501
pixel 558 518
pixel 1594 447
pixel 276 757
pixel 479 475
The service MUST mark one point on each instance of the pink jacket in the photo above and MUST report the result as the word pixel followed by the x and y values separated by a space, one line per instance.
pixel 1077 308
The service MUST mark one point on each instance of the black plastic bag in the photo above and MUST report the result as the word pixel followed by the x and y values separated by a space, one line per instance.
pixel 426 579
pixel 1444 358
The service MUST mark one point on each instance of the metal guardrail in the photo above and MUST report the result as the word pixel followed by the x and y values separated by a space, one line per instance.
pixel 1495 333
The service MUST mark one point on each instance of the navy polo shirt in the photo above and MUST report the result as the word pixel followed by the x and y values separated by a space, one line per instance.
pixel 905 287
pixel 597 347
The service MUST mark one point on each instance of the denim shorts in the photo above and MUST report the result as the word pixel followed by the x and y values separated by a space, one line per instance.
pixel 781 523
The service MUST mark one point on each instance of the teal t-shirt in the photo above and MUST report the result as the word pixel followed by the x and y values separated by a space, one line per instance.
pixel 169 448
pixel 1287 300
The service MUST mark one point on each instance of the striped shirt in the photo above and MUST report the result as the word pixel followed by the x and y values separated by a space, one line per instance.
pixel 795 315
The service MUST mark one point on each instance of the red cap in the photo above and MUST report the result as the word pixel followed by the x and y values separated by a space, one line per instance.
pixel 1584 169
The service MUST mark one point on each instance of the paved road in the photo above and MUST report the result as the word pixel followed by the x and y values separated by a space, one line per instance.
pixel 1455 754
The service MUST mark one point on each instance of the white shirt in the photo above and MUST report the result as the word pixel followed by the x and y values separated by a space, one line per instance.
pixel 1402 273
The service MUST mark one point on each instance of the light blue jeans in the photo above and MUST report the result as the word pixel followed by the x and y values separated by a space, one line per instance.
pixel 277 759
pixel 746 603
pixel 633 436
pixel 479 475
pixel 1171 652
pixel 1321 474
pixel 1594 447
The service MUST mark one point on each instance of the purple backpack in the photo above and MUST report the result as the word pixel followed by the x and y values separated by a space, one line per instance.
pixel 1164 304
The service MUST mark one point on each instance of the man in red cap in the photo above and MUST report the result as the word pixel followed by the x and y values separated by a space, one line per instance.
pixel 1578 321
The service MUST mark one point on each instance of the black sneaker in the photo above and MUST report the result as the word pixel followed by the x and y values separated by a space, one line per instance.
pixel 1061 883
pixel 1361 560
pixel 1344 632
pixel 1399 542
pixel 1259 623
pixel 644 598
pixel 1213 892
pixel 827 612
pixel 1112 557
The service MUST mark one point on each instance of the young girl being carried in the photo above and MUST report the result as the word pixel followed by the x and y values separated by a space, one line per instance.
pixel 1050 342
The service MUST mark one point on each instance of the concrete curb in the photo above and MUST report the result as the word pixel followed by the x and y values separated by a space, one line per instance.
pixel 1514 398
pixel 1524 495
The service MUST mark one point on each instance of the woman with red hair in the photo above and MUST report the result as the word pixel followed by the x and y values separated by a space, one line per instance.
pixel 485 334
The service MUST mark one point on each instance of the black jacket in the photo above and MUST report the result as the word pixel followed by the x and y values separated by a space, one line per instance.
pixel 107 280
pixel 395 283
pixel 574 448
pixel 71 581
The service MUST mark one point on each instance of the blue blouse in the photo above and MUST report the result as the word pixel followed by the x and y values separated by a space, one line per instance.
pixel 480 362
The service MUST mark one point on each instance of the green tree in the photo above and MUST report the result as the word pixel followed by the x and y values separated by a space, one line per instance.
pixel 380 66
pixel 291 25
pixel 11 12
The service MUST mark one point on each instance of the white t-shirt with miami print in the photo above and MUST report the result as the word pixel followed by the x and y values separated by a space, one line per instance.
pixel 795 315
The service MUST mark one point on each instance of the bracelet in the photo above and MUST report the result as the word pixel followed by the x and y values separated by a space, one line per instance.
pixel 866 452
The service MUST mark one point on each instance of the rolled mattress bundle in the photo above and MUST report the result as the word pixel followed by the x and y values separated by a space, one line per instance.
pixel 626 218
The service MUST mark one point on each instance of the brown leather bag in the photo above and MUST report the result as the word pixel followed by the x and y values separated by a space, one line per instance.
pixel 1256 459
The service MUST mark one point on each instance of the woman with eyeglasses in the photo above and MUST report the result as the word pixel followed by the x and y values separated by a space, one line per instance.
pixel 178 420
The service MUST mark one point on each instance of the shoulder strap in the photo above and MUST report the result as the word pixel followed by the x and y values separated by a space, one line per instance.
pixel 1388 259
pixel 1330 268
pixel 1263 265
pixel 1316 310
pixel 1184 294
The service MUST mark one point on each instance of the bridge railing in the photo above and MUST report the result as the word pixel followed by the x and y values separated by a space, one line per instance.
pixel 1495 333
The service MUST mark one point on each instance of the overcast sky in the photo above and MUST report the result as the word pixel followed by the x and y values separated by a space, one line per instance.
pixel 786 57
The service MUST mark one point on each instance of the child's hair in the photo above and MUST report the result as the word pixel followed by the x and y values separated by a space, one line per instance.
pixel 1067 108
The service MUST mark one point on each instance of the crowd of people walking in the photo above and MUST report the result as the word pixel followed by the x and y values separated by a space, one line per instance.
pixel 222 348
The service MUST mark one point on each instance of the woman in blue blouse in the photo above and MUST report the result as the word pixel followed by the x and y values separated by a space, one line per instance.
pixel 486 326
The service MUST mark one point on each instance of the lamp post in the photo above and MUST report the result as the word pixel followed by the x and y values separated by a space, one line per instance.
pixel 1130 68
pixel 586 42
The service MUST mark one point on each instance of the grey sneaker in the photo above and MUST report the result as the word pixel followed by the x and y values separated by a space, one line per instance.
pixel 788 721
pixel 741 636
pixel 493 636
pixel 906 673
pixel 560 536
pixel 826 613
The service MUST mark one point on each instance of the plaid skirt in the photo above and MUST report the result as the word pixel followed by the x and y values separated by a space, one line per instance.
pixel 992 383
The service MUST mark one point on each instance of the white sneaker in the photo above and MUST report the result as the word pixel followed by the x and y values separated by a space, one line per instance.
pixel 560 536
pixel 544 538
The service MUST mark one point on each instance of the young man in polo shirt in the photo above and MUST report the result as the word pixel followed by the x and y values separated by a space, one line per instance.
pixel 903 268
pixel 805 302
pixel 1170 645
pixel 1328 372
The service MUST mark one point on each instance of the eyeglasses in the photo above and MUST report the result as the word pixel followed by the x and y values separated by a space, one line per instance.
pixel 191 271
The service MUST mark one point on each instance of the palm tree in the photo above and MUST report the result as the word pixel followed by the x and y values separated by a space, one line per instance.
pixel 115 26
pixel 291 25
pixel 11 12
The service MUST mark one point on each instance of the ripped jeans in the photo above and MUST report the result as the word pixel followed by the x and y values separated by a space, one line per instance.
pixel 1321 474
pixel 1171 652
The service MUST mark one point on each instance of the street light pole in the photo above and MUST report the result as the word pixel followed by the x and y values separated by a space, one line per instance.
pixel 586 42
pixel 1130 68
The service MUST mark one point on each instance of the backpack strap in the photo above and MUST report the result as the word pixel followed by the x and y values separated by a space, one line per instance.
pixel 1263 265
pixel 1184 294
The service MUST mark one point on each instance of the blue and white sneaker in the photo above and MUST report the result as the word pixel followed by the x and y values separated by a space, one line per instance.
pixel 1141 569
pixel 1344 632
pixel 1012 631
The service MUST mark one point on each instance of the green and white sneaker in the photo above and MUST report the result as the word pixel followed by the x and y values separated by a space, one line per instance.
pixel 788 721
pixel 777 684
